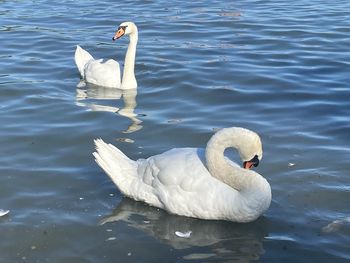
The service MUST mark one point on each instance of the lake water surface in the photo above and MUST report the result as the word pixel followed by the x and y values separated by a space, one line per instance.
pixel 280 68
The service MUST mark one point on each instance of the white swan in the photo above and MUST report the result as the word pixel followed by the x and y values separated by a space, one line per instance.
pixel 107 73
pixel 195 182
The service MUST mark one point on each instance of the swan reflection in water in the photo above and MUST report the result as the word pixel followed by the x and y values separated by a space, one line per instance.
pixel 225 240
pixel 94 98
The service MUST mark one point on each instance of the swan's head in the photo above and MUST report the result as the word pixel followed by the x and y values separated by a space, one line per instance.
pixel 246 142
pixel 250 148
pixel 125 28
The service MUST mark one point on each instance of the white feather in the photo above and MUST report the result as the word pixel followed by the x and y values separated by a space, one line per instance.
pixel 4 212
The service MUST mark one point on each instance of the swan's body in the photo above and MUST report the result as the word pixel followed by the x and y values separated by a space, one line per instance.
pixel 194 182
pixel 107 73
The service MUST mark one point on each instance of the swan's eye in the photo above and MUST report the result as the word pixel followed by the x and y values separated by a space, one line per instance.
pixel 122 27
pixel 255 161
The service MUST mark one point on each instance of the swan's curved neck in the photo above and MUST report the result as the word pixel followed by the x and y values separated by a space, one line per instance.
pixel 129 80
pixel 217 164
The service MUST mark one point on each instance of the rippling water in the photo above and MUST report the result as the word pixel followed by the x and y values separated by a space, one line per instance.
pixel 280 68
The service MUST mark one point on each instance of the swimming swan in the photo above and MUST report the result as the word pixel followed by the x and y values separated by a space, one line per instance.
pixel 107 73
pixel 195 182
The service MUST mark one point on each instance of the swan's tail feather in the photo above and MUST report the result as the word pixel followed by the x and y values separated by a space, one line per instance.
pixel 116 164
pixel 81 57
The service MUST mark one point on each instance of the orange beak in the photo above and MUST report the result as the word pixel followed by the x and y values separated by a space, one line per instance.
pixel 248 165
pixel 253 162
pixel 119 33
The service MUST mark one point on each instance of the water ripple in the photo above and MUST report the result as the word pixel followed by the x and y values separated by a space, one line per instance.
pixel 277 67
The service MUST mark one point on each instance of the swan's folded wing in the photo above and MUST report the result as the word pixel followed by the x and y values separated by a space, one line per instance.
pixel 177 178
pixel 174 168
pixel 101 73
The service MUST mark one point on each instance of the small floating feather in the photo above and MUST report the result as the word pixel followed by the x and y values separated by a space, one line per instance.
pixel 125 140
pixel 184 235
pixel 196 256
pixel 4 212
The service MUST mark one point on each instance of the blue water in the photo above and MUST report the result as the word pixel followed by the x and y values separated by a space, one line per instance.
pixel 280 68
